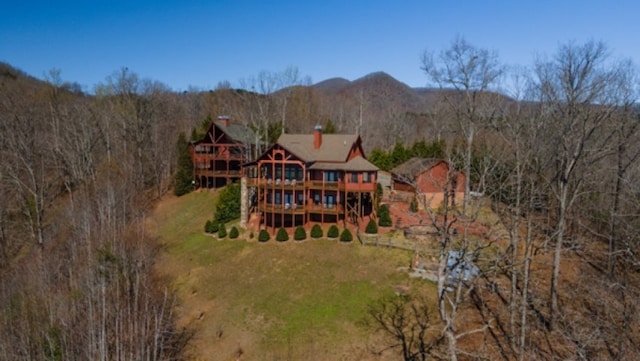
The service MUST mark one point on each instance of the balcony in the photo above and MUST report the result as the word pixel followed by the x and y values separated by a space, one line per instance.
pixel 325 208
pixel 277 184
pixel 318 184
pixel 218 173
pixel 281 208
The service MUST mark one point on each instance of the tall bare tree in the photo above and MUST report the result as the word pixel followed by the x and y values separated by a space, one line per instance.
pixel 574 93
pixel 471 72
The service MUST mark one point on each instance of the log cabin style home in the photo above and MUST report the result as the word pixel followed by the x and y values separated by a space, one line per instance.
pixel 311 178
pixel 429 179
pixel 219 155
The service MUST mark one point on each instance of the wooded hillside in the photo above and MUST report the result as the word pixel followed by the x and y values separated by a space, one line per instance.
pixel 555 149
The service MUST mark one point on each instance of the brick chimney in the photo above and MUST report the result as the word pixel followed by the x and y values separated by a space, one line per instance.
pixel 317 136
pixel 224 119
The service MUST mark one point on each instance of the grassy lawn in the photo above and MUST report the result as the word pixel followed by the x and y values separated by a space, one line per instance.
pixel 291 300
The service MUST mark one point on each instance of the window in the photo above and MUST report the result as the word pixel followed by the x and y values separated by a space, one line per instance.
pixel 278 198
pixel 354 177
pixel 330 176
pixel 366 177
pixel 329 200
pixel 278 171
pixel 300 198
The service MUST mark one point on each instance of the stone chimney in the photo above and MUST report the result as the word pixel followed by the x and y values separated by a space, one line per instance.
pixel 317 136
pixel 224 119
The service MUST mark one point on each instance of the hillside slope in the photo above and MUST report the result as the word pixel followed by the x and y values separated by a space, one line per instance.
pixel 292 300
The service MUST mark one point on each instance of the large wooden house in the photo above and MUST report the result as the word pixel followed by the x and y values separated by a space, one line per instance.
pixel 311 178
pixel 219 155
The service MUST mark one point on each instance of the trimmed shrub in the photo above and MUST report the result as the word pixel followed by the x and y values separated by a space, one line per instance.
pixel 413 206
pixel 384 216
pixel 300 234
pixel 251 235
pixel 263 236
pixel 282 235
pixel 333 231
pixel 214 226
pixel 222 231
pixel 346 236
pixel 316 231
pixel 233 233
pixel 207 227
pixel 372 227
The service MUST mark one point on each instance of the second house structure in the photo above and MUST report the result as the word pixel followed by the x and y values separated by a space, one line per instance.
pixel 311 178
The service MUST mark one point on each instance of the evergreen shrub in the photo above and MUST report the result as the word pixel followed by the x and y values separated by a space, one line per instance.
pixel 282 235
pixel 263 236
pixel 300 234
pixel 372 227
pixel 234 233
pixel 384 216
pixel 333 231
pixel 222 231
pixel 316 231
pixel 346 236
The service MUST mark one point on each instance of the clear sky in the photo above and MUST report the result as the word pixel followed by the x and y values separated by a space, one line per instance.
pixel 200 43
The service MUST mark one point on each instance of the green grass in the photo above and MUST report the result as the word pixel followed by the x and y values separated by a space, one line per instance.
pixel 280 294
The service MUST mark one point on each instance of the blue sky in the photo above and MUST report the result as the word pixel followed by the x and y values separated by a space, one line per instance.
pixel 200 43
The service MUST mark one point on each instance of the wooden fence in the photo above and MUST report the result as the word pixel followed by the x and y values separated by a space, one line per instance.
pixel 399 243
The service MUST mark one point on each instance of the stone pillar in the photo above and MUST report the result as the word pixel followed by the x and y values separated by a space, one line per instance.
pixel 244 202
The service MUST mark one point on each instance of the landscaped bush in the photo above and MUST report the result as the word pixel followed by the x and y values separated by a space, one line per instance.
pixel 233 233
pixel 211 226
pixel 384 217
pixel 372 227
pixel 316 231
pixel 222 231
pixel 333 231
pixel 413 206
pixel 263 236
pixel 346 236
pixel 282 235
pixel 300 234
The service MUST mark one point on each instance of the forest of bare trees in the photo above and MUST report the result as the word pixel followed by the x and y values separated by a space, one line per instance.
pixel 554 148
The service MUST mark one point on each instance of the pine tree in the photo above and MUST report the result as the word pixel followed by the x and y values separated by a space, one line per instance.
pixel 228 206
pixel 183 181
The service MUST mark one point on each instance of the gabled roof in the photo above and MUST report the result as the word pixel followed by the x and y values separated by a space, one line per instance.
pixel 357 164
pixel 334 147
pixel 237 132
pixel 412 167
